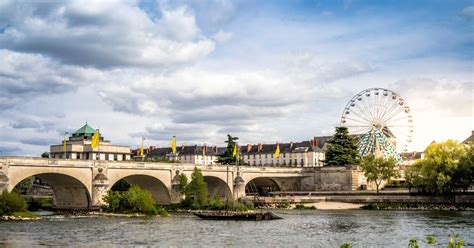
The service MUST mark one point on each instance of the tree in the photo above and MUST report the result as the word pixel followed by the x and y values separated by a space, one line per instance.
pixel 378 169
pixel 228 156
pixel 342 149
pixel 45 155
pixel 464 173
pixel 11 202
pixel 439 170
pixel 183 183
pixel 197 189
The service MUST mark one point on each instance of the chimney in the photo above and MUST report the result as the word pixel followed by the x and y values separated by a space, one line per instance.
pixel 291 144
pixel 260 147
pixel 182 147
pixel 315 141
pixel 249 147
pixel 215 149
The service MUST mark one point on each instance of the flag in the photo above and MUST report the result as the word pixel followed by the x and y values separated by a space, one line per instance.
pixel 173 144
pixel 234 153
pixel 141 148
pixel 277 151
pixel 95 139
pixel 65 144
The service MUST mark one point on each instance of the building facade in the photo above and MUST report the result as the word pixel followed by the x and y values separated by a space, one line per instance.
pixel 202 155
pixel 293 154
pixel 78 146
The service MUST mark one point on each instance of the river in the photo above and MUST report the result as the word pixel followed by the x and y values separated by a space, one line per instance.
pixel 302 228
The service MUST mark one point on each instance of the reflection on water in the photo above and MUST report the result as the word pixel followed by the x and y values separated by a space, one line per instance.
pixel 303 228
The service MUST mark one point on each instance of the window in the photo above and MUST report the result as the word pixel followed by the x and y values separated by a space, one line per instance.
pixel 260 156
pixel 254 156
pixel 302 161
pixel 115 157
pixel 284 155
pixel 87 156
pixel 254 163
pixel 106 156
pixel 78 156
pixel 248 156
pixel 296 162
pixel 265 155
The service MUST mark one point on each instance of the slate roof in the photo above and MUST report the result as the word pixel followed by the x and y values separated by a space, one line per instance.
pixel 470 139
pixel 183 150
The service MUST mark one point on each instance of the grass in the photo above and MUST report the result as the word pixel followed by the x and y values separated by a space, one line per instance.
pixel 25 214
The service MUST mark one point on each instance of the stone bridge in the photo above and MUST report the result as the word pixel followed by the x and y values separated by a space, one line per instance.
pixel 81 184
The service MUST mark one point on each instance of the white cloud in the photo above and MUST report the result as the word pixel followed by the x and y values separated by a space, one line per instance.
pixel 222 36
pixel 468 13
pixel 90 34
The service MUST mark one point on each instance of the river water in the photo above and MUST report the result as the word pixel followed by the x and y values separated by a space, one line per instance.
pixel 299 228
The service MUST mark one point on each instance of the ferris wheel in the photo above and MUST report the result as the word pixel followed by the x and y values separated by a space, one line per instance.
pixel 381 120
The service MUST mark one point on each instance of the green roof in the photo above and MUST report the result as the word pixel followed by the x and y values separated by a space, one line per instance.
pixel 85 130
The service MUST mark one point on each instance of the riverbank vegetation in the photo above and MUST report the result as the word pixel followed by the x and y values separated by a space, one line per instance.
pixel 134 200
pixel 196 196
pixel 446 168
pixel 13 205
pixel 304 207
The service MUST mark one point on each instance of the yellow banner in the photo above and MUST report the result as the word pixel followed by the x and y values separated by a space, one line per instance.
pixel 277 151
pixel 95 139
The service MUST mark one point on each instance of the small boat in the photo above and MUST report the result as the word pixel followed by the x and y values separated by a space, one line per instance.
pixel 231 215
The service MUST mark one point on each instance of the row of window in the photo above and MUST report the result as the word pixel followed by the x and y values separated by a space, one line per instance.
pixel 88 156
pixel 254 156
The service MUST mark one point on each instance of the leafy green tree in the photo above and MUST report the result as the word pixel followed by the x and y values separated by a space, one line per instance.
pixel 431 239
pixel 228 156
pixel 378 169
pixel 134 200
pixel 45 155
pixel 464 173
pixel 11 202
pixel 342 149
pixel 438 168
pixel 196 191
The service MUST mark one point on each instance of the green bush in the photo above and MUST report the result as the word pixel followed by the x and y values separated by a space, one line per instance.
pixel 302 206
pixel 11 202
pixel 283 205
pixel 134 200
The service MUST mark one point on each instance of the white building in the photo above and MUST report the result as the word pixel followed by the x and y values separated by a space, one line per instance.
pixel 78 146
pixel 298 154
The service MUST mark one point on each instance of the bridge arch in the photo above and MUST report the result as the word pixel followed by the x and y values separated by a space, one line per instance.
pixel 157 188
pixel 261 186
pixel 69 191
pixel 217 187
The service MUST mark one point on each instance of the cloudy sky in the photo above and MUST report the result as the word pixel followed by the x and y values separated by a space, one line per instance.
pixel 264 71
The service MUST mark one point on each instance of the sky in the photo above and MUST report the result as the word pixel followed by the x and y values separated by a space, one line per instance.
pixel 264 71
